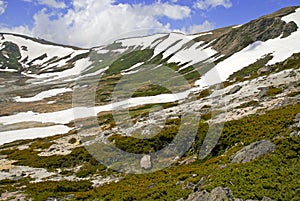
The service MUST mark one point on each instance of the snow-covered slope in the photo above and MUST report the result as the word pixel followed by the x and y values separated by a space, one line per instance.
pixel 37 77
pixel 280 48
pixel 32 56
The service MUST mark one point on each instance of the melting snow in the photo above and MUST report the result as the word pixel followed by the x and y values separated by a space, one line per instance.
pixel 31 133
pixel 43 95
pixel 281 49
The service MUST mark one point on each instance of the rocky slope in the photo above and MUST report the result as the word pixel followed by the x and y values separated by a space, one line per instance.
pixel 59 103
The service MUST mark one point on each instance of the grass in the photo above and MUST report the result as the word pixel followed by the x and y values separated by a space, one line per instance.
pixel 275 175
pixel 248 104
pixel 293 94
pixel 272 91
pixel 250 72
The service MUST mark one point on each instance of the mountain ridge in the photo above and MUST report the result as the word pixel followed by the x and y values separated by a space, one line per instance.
pixel 56 110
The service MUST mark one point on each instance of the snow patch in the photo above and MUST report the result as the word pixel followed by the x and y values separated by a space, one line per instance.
pixel 31 133
pixel 43 95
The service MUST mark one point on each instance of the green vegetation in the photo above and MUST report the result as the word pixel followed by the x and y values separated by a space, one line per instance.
pixel 150 90
pixel 275 175
pixel 293 94
pixel 29 157
pixel 44 190
pixel 248 104
pixel 272 91
pixel 130 59
pixel 252 71
pixel 144 110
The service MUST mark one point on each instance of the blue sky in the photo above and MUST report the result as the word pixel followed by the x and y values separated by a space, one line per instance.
pixel 94 22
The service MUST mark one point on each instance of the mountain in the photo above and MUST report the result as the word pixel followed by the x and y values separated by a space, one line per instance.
pixel 211 112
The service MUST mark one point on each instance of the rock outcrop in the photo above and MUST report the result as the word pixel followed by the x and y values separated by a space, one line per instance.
pixel 217 194
pixel 253 151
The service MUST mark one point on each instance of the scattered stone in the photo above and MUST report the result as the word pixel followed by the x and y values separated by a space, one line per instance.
pixel 19 172
pixel 295 134
pixel 253 151
pixel 189 185
pixel 263 91
pixel 201 182
pixel 220 194
pixel 263 70
pixel 297 117
pixel 14 196
pixel 146 162
pixel 217 194
pixel 234 90
pixel 198 196
pixel 151 185
pixel 267 199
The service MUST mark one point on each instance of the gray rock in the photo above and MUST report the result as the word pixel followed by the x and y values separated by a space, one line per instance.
pixel 217 194
pixel 263 91
pixel 198 196
pixel 189 185
pixel 146 162
pixel 253 151
pixel 263 70
pixel 234 90
pixel 181 199
pixel 267 199
pixel 297 117
pixel 220 194
pixel 295 134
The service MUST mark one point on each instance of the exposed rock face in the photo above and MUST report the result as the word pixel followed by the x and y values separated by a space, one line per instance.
pixel 253 151
pixel 217 194
pixel 146 162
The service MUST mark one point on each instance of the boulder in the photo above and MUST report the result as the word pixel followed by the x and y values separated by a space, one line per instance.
pixel 145 162
pixel 267 199
pixel 263 70
pixel 220 194
pixel 199 196
pixel 253 151
pixel 217 194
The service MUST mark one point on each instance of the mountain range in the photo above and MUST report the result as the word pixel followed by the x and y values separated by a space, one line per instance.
pixel 227 100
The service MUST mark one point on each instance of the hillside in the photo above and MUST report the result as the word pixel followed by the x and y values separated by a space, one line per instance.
pixel 210 116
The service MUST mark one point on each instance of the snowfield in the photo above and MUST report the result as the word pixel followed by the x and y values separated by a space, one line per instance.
pixel 35 49
pixel 43 95
pixel 280 48
pixel 31 133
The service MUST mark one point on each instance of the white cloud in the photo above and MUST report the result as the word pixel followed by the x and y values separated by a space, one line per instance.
pixel 205 26
pixel 93 22
pixel 52 3
pixel 3 5
pixel 206 4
